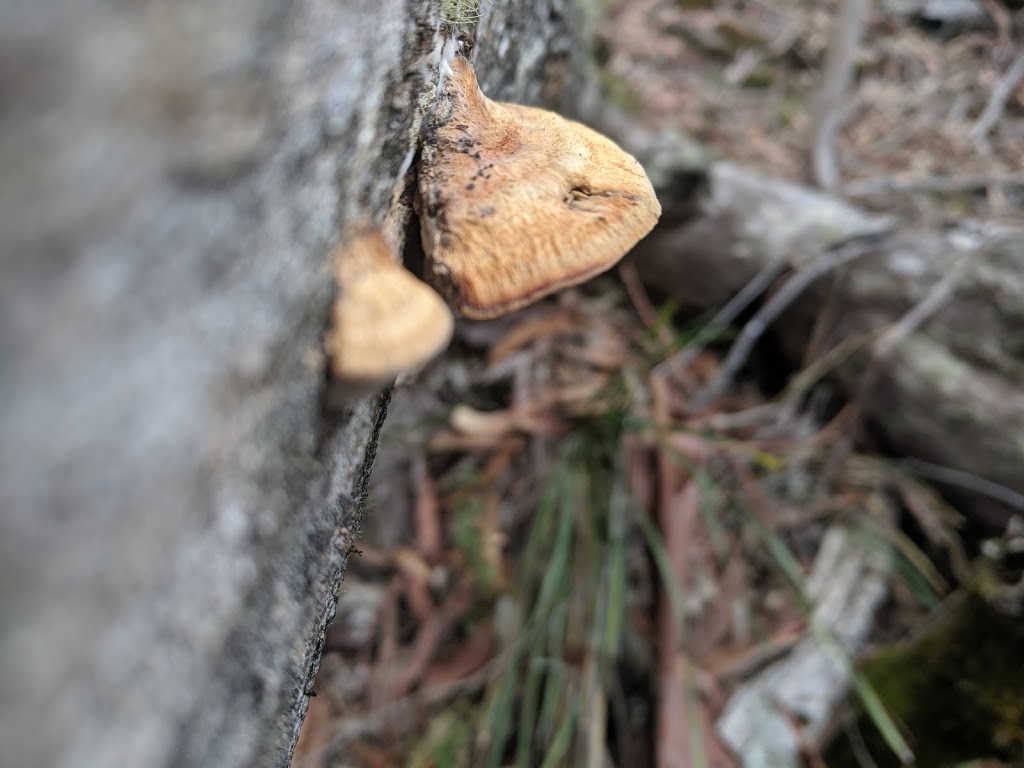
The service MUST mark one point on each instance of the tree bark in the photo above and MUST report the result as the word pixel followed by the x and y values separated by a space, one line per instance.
pixel 178 497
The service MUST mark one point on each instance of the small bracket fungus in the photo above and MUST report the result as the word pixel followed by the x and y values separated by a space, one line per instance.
pixel 384 321
pixel 516 202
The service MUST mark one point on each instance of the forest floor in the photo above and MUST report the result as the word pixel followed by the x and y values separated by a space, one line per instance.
pixel 561 564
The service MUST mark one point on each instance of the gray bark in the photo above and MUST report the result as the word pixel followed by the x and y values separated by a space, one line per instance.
pixel 178 497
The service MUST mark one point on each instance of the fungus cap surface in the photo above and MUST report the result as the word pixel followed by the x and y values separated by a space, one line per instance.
pixel 518 202
pixel 384 320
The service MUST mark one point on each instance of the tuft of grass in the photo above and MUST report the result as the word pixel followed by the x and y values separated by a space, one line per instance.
pixel 549 702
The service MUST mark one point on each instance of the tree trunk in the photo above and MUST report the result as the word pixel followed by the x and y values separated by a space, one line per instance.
pixel 178 498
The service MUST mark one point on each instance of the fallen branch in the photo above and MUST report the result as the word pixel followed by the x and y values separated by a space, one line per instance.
pixel 839 59
pixel 951 394
pixel 757 325
pixel 997 100
pixel 931 184
pixel 882 353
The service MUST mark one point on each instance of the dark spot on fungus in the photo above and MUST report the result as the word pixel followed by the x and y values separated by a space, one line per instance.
pixel 471 186
pixel 485 212
pixel 434 207
pixel 480 171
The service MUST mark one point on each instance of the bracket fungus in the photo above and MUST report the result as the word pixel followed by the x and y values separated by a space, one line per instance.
pixel 384 320
pixel 517 202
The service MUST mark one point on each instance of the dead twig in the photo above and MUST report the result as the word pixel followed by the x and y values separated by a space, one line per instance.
pixel 842 50
pixel 430 636
pixel 641 301
pixel 997 101
pixel 743 663
pixel 1001 18
pixel 429 535
pixel 725 317
pixel 404 711
pixel 684 727
pixel 818 368
pixel 882 353
pixel 931 184
pixel 965 480
pixel 857 744
pixel 758 324
pixel 921 312
pixel 673 737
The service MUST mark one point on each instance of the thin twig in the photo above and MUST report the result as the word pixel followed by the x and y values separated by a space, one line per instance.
pixel 429 534
pixel 641 301
pixel 758 324
pixel 816 370
pixel 967 481
pixel 921 312
pixel 883 351
pixel 939 184
pixel 725 316
pixel 1001 18
pixel 842 49
pixel 997 100
pixel 857 745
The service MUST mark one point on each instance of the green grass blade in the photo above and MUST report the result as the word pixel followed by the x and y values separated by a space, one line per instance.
pixel 528 715
pixel 562 742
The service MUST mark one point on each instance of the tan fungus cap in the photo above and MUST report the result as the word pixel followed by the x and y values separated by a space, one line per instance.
pixel 516 202
pixel 384 320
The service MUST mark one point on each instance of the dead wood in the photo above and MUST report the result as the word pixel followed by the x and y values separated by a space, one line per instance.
pixel 951 392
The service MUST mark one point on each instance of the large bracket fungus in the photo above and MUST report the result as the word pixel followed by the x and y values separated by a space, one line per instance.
pixel 517 202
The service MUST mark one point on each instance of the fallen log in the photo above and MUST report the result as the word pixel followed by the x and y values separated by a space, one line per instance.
pixel 950 393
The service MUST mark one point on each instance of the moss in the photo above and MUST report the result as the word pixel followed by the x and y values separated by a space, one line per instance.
pixel 762 77
pixel 956 689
